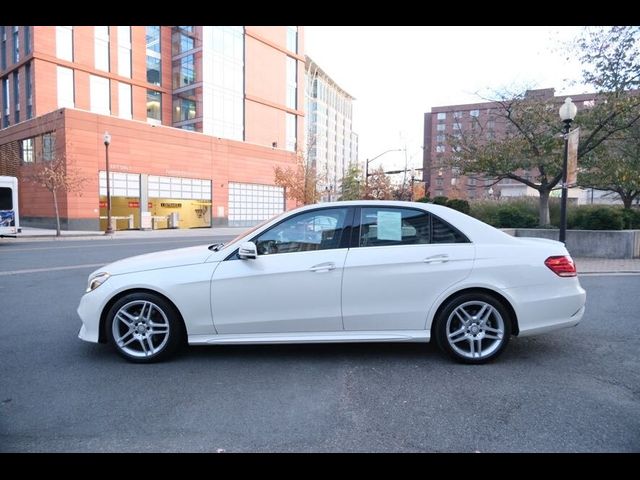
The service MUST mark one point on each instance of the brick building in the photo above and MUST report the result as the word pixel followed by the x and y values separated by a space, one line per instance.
pixel 442 180
pixel 199 116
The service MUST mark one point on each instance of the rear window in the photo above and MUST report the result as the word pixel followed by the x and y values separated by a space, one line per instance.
pixel 6 198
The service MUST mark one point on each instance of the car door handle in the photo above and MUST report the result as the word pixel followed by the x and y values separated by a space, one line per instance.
pixel 442 258
pixel 323 267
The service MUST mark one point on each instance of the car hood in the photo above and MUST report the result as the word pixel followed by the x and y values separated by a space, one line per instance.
pixel 163 259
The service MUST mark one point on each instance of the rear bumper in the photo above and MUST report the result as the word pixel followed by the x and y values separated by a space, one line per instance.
pixel 543 309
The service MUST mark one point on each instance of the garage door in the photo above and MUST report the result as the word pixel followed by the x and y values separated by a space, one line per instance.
pixel 250 203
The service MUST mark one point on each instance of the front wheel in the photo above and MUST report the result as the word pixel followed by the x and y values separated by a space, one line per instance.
pixel 144 328
pixel 473 328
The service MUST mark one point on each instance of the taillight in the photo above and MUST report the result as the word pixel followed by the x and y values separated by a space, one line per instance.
pixel 561 265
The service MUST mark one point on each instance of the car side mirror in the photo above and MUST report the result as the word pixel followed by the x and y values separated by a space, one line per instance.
pixel 248 251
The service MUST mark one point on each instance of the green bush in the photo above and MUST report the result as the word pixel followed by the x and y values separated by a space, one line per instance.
pixel 460 205
pixel 485 211
pixel 424 199
pixel 631 218
pixel 440 200
pixel 514 216
pixel 517 213
pixel 596 217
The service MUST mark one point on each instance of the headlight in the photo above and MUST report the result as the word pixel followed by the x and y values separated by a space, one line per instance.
pixel 96 280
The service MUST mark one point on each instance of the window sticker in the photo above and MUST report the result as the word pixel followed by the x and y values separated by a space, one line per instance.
pixel 390 226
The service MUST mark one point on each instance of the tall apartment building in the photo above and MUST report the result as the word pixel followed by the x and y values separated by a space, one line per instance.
pixel 332 145
pixel 198 116
pixel 440 179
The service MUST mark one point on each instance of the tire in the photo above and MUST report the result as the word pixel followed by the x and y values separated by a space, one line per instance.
pixel 144 328
pixel 484 333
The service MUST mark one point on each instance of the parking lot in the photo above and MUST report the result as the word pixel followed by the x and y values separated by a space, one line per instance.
pixel 575 390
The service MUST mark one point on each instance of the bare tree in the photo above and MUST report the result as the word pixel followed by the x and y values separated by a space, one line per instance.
pixel 379 186
pixel 54 170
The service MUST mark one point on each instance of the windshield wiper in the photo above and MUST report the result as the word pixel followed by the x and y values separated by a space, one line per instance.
pixel 216 246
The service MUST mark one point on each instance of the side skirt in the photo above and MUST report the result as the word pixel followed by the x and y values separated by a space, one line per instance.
pixel 317 337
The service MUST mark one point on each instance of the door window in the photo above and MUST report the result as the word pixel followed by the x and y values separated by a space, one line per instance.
pixel 316 230
pixel 384 226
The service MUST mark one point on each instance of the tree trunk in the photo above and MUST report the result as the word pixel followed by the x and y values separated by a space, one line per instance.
pixel 543 208
pixel 627 200
pixel 55 204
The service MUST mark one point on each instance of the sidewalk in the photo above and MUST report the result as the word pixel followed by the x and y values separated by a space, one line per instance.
pixel 29 233
pixel 607 265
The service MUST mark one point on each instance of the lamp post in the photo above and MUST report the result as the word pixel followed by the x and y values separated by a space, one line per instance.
pixel 567 112
pixel 413 179
pixel 107 141
pixel 368 161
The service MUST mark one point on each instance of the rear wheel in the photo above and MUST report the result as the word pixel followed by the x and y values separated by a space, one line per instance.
pixel 473 328
pixel 144 328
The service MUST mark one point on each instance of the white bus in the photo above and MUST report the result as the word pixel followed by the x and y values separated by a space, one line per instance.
pixel 9 214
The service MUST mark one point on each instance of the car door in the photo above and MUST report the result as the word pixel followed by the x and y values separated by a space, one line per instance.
pixel 294 285
pixel 403 260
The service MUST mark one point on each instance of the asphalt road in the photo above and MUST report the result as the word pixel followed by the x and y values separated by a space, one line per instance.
pixel 575 390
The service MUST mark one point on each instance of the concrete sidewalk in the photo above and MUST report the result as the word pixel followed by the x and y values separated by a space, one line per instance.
pixel 29 233
pixel 607 265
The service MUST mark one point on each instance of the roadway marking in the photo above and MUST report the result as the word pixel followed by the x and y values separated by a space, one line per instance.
pixel 51 269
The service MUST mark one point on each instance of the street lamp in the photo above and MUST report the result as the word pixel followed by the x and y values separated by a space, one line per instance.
pixel 107 141
pixel 413 179
pixel 567 112
pixel 368 161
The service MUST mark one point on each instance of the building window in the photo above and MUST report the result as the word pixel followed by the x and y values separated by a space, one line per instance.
pixel 439 193
pixel 441 127
pixel 28 89
pixel 226 92
pixel 64 43
pixel 457 114
pixel 16 96
pixel 292 86
pixel 440 138
pixel 154 64
pixel 457 126
pixel 292 39
pixel 100 95
pixel 184 71
pixel 439 181
pixel 26 148
pixel 3 48
pixel 101 49
pixel 124 51
pixel 474 113
pixel 48 147
pixel 65 87
pixel 124 100
pixel 184 107
pixel 27 39
pixel 5 102
pixel 183 40
pixel 440 148
pixel 291 132
pixel 442 116
pixel 154 106
pixel 16 44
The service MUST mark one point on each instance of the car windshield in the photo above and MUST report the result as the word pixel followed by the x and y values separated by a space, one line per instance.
pixel 248 232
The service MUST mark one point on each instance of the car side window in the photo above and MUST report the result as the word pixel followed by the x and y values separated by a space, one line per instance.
pixel 315 230
pixel 442 232
pixel 381 226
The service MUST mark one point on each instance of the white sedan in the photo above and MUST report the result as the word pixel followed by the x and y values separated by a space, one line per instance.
pixel 358 271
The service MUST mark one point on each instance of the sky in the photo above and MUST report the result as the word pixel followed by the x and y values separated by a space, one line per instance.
pixel 397 74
